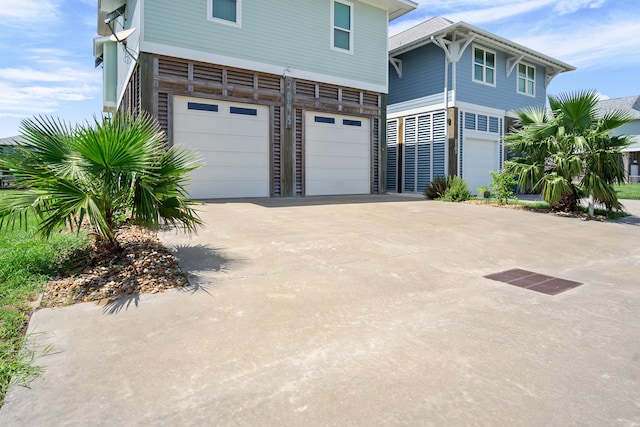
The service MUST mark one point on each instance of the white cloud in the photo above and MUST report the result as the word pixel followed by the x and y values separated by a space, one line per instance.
pixel 39 53
pixel 581 49
pixel 27 11
pixel 571 6
pixel 28 74
pixel 494 11
pixel 39 99
pixel 27 90
pixel 497 13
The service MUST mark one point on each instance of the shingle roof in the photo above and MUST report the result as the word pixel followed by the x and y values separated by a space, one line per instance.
pixel 11 140
pixel 630 104
pixel 430 26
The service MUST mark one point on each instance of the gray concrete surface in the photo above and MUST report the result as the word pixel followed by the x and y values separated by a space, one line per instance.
pixel 357 311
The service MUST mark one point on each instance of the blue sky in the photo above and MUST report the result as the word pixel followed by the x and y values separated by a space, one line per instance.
pixel 46 49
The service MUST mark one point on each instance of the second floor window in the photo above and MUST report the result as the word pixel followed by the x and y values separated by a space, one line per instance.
pixel 526 79
pixel 484 66
pixel 342 36
pixel 226 10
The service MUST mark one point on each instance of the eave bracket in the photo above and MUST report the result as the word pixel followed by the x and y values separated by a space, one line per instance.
pixel 397 65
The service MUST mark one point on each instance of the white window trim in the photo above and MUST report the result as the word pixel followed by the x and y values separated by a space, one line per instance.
pixel 473 66
pixel 535 76
pixel 238 22
pixel 333 27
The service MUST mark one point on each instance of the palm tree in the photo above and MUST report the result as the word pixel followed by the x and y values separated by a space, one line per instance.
pixel 101 172
pixel 567 152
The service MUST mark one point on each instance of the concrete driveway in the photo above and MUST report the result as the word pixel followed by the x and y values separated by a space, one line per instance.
pixel 358 311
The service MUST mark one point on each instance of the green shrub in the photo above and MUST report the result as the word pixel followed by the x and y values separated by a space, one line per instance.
pixel 458 190
pixel 436 188
pixel 502 184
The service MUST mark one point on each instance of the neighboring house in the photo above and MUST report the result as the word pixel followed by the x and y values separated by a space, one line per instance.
pixel 630 105
pixel 281 98
pixel 6 144
pixel 452 87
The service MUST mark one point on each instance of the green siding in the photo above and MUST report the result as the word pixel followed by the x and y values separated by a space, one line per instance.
pixel 282 33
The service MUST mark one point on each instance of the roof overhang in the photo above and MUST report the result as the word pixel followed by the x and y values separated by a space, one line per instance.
pixel 105 7
pixel 490 40
pixel 635 144
pixel 395 8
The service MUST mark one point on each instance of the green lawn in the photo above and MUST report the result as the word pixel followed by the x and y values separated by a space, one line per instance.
pixel 26 262
pixel 628 191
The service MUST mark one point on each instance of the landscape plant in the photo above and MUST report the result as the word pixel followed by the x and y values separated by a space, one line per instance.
pixel 457 190
pixel 436 188
pixel 502 184
pixel 567 151
pixel 102 172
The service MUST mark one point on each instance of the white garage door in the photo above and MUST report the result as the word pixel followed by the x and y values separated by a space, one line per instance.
pixel 337 154
pixel 480 156
pixel 233 140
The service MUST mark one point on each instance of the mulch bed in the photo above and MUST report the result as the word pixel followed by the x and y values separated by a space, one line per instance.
pixel 581 215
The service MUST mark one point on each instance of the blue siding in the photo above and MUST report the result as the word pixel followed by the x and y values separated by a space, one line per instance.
pixel 422 74
pixel 504 95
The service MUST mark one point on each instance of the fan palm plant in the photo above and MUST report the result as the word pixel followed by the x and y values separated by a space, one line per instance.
pixel 101 172
pixel 567 152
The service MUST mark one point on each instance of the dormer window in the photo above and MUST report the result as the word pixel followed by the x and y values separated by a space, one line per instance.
pixel 342 23
pixel 484 66
pixel 225 11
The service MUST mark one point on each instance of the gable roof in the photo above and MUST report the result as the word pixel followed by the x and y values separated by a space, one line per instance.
pixel 629 104
pixel 414 34
pixel 425 33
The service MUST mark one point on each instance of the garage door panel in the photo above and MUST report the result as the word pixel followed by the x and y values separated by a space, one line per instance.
pixel 331 162
pixel 226 172
pixel 228 147
pixel 330 148
pixel 227 189
pixel 480 157
pixel 234 147
pixel 337 155
pixel 338 174
pixel 337 187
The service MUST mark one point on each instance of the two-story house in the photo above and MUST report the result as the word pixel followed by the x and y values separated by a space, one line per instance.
pixel 451 89
pixel 281 98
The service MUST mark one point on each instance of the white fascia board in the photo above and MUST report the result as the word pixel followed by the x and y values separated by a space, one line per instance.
pixel 415 111
pixel 123 89
pixel 98 45
pixel 213 58
pixel 635 146
pixel 395 8
pixel 480 109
